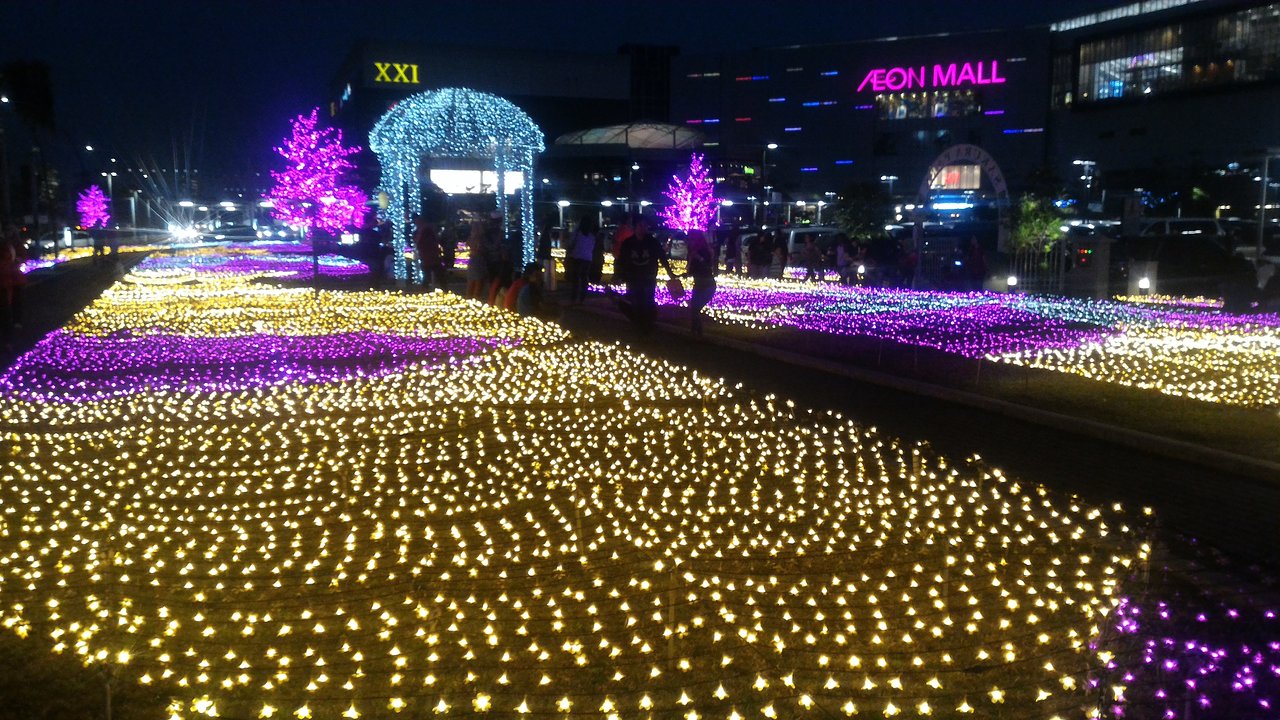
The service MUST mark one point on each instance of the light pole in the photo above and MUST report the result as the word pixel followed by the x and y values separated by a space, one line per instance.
pixel 1086 169
pixel 6 208
pixel 764 167
pixel 631 191
pixel 133 212
pixel 110 192
pixel 1262 206
pixel 889 179
pixel 561 205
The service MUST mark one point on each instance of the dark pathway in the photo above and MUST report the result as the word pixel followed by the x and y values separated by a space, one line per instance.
pixel 54 294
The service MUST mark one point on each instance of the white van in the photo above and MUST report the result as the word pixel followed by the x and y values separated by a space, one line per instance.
pixel 824 235
pixel 1208 227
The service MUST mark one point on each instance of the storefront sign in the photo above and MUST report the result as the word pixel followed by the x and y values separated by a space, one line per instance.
pixel 922 77
pixel 403 73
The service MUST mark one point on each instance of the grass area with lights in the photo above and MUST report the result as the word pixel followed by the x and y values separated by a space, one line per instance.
pixel 265 501
pixel 1174 350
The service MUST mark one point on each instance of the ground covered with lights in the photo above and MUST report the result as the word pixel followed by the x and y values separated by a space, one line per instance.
pixel 1186 348
pixel 264 501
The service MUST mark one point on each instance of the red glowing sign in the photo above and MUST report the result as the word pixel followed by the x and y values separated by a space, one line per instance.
pixel 922 77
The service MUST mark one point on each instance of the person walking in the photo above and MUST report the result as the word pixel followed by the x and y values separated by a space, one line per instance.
pixel 975 265
pixel 427 242
pixel 845 271
pixel 477 267
pixel 369 248
pixel 759 255
pixel 781 254
pixel 579 257
pixel 99 244
pixel 702 269
pixel 811 257
pixel 733 252
pixel 11 284
pixel 638 261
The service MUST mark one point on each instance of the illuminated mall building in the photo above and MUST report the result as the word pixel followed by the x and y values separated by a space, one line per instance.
pixel 1155 89
pixel 1163 86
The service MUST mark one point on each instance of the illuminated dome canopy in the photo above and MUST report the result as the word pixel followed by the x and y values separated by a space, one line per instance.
pixel 638 136
pixel 454 123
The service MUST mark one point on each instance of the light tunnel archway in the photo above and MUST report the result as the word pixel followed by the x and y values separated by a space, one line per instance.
pixel 454 123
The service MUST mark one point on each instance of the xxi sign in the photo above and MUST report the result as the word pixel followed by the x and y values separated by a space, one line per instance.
pixel 404 73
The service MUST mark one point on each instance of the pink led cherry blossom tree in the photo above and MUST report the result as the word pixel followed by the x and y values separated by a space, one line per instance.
pixel 93 209
pixel 309 192
pixel 692 199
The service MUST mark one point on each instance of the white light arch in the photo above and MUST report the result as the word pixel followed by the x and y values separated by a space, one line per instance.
pixel 453 123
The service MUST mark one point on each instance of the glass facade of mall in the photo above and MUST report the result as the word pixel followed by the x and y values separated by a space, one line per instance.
pixel 1231 48
pixel 1166 91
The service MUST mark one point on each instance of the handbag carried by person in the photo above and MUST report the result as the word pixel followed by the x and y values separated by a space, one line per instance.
pixel 675 288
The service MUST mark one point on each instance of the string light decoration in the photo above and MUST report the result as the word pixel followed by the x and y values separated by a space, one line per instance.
pixel 33 264
pixel 1195 302
pixel 432 507
pixel 692 201
pixel 1207 657
pixel 454 123
pixel 93 208
pixel 309 193
pixel 1188 352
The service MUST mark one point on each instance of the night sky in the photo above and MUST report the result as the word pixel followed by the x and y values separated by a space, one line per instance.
pixel 130 76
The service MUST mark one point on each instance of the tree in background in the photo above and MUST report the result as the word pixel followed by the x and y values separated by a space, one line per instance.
pixel 1034 224
pixel 862 210
pixel 92 206
pixel 310 193
pixel 692 199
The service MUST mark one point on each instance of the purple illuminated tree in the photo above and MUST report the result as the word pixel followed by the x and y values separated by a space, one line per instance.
pixel 92 206
pixel 309 192
pixel 692 199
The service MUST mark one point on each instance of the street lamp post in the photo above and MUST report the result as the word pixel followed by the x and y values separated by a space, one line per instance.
pixel 561 205
pixel 764 172
pixel 631 191
pixel 1262 206
pixel 133 212
pixel 6 208
pixel 111 198
pixel 889 179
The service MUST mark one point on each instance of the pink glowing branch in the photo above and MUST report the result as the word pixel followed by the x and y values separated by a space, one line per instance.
pixel 309 192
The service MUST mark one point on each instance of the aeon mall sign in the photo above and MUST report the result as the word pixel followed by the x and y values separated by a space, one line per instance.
pixel 924 77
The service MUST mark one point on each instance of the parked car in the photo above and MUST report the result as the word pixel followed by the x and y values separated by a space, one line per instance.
pixel 1203 227
pixel 53 241
pixel 1186 264
pixel 1244 240
pixel 824 235
pixel 230 232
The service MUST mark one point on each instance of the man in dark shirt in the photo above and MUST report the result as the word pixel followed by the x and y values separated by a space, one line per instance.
pixel 638 261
